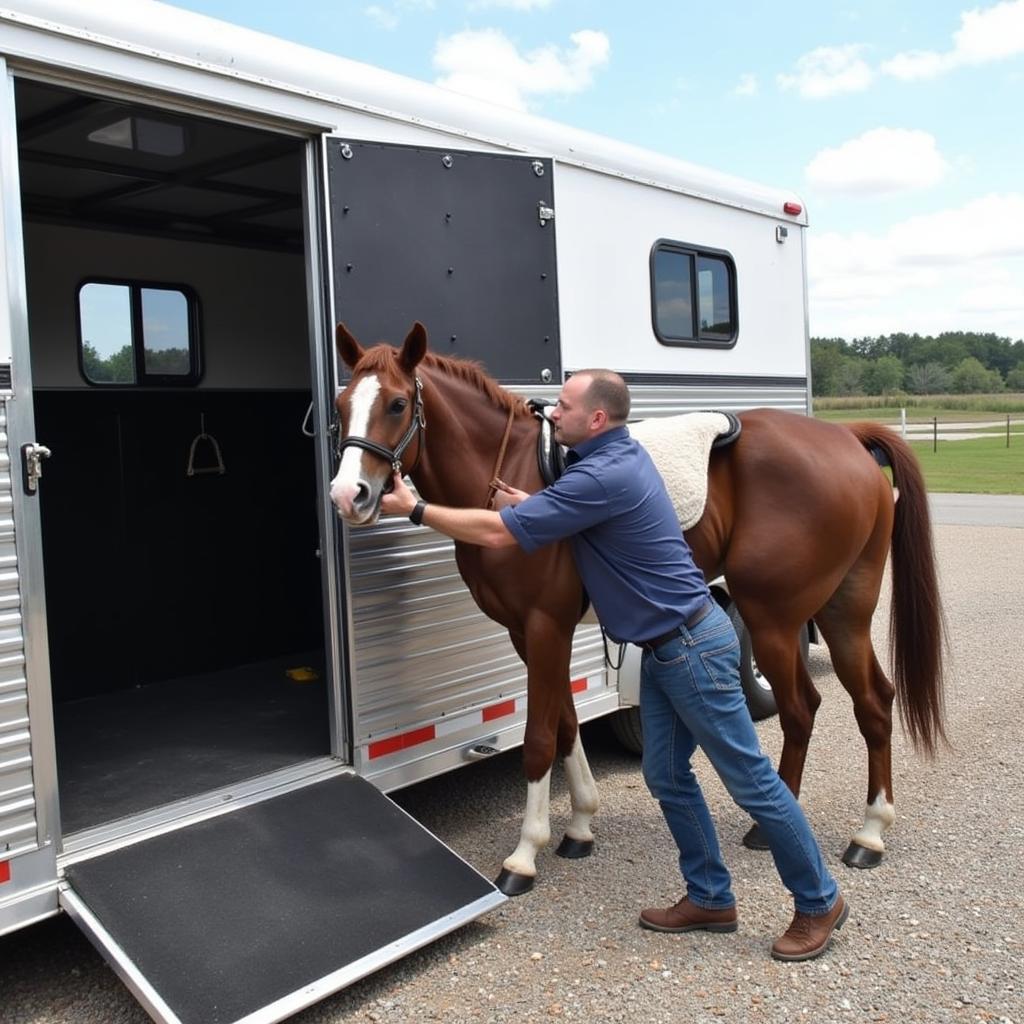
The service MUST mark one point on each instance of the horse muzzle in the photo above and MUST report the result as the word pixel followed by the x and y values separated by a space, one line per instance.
pixel 359 503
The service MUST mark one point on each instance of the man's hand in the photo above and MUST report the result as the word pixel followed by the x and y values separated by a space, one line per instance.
pixel 479 526
pixel 401 501
pixel 505 495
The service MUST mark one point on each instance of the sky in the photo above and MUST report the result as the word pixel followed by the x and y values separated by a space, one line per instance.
pixel 899 123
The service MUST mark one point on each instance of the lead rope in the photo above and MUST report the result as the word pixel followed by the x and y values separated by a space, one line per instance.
pixel 614 666
pixel 493 488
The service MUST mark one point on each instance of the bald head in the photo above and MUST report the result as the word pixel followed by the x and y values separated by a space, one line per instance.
pixel 606 390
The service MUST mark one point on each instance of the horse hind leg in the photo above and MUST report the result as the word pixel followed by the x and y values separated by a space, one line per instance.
pixel 578 840
pixel 777 650
pixel 846 630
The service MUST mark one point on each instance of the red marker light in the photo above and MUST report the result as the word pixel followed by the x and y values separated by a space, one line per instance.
pixel 793 209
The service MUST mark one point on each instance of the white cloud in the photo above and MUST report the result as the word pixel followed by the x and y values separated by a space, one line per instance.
pixel 388 16
pixel 984 35
pixel 747 85
pixel 1001 293
pixel 882 160
pixel 513 5
pixel 986 228
pixel 955 269
pixel 487 64
pixel 829 70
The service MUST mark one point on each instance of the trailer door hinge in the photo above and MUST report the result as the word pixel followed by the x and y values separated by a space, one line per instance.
pixel 545 213
pixel 32 455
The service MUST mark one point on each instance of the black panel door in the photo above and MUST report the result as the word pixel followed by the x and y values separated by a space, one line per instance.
pixel 453 239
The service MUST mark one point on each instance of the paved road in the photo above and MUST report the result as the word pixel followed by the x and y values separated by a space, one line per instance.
pixel 951 431
pixel 978 509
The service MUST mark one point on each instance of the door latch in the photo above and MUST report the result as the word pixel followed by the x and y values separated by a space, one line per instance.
pixel 544 212
pixel 32 455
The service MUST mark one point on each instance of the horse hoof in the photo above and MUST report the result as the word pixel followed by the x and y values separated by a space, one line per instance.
pixel 753 839
pixel 511 883
pixel 574 849
pixel 858 856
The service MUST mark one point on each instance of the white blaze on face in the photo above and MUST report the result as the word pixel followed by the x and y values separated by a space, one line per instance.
pixel 345 485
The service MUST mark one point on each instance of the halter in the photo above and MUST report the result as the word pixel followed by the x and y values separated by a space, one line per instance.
pixel 417 424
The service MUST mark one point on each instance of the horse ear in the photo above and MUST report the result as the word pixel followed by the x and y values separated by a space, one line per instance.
pixel 414 348
pixel 348 348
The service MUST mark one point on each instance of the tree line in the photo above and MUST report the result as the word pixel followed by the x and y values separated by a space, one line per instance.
pixel 119 367
pixel 954 362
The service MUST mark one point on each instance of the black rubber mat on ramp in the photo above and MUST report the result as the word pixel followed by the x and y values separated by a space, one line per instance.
pixel 234 913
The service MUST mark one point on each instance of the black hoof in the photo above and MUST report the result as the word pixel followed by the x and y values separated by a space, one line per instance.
pixel 753 840
pixel 573 849
pixel 858 856
pixel 513 884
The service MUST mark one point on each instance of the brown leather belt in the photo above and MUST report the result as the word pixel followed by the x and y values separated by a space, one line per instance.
pixel 701 613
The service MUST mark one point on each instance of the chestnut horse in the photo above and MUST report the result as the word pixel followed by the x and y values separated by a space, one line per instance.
pixel 799 519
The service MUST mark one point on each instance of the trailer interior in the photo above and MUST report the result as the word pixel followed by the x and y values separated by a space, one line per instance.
pixel 171 373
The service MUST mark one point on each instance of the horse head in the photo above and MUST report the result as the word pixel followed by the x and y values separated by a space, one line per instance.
pixel 381 418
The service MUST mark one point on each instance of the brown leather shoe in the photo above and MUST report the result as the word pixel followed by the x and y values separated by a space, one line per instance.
pixel 688 917
pixel 809 935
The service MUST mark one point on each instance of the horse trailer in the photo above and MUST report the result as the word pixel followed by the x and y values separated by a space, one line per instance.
pixel 207 685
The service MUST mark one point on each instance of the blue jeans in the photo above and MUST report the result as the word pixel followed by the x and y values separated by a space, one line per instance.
pixel 690 695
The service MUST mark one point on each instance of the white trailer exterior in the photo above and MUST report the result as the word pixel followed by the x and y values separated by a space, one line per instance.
pixel 149 618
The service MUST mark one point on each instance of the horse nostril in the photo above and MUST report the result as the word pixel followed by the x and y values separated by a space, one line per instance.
pixel 362 495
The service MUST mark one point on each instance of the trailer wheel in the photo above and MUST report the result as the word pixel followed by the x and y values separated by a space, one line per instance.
pixel 756 688
pixel 627 730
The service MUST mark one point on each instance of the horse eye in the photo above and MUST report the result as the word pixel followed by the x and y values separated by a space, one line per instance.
pixel 397 405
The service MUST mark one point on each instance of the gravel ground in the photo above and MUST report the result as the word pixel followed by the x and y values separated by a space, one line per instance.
pixel 934 933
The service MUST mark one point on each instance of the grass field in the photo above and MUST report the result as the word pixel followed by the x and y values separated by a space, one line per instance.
pixel 921 408
pixel 983 465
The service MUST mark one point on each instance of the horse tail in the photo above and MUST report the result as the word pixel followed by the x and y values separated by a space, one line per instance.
pixel 916 621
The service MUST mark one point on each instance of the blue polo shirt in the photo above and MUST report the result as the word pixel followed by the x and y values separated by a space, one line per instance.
pixel 612 505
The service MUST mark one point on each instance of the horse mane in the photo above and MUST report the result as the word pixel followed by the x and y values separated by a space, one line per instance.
pixel 385 358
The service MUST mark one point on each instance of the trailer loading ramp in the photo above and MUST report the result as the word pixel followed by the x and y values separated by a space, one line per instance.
pixel 257 913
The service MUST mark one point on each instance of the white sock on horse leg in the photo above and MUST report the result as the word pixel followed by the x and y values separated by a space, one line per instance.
pixel 879 816
pixel 582 793
pixel 536 827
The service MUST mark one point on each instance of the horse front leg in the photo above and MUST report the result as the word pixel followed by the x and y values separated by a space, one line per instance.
pixel 578 840
pixel 545 648
pixel 519 870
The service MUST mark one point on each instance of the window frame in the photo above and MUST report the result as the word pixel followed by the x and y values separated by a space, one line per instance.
pixel 144 379
pixel 699 339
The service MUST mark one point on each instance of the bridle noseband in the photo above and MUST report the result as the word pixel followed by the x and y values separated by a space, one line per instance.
pixel 417 424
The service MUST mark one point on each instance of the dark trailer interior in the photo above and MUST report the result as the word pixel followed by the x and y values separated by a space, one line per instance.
pixel 171 375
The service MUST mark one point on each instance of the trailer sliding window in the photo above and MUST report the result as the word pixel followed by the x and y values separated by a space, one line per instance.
pixel 138 333
pixel 693 295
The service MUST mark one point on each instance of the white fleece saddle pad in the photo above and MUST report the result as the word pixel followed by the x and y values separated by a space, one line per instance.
pixel 680 447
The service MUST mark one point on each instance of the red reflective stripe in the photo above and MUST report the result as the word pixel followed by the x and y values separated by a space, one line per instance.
pixel 578 685
pixel 402 742
pixel 5 871
pixel 507 707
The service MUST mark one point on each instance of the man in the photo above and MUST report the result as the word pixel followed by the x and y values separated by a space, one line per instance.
pixel 612 505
